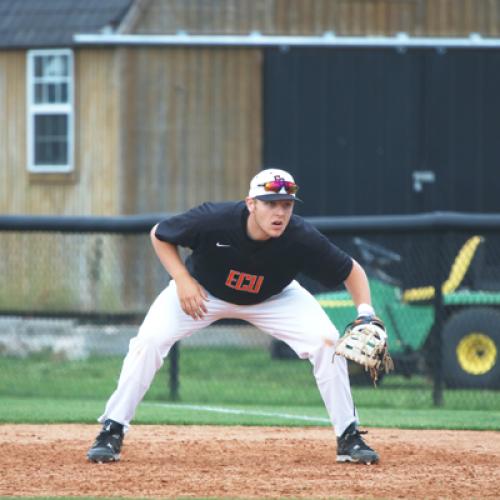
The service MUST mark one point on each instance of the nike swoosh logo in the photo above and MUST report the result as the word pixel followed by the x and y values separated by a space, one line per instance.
pixel 222 245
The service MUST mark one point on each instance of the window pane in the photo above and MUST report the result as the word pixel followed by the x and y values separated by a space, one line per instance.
pixel 56 65
pixel 64 66
pixel 46 62
pixel 39 87
pixel 38 66
pixel 51 141
pixel 53 93
pixel 63 92
pixel 51 88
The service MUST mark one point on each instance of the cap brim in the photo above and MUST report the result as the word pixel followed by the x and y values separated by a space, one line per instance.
pixel 277 197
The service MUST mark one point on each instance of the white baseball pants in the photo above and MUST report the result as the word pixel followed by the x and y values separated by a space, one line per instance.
pixel 293 316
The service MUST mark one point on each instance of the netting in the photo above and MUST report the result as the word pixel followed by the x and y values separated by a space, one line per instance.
pixel 70 303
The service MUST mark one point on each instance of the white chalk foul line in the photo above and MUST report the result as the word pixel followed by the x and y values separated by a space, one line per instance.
pixel 234 411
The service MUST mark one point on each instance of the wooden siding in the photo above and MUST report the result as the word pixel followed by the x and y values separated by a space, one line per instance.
pixel 98 138
pixel 12 132
pixel 314 17
pixel 191 126
pixel 91 188
pixel 66 272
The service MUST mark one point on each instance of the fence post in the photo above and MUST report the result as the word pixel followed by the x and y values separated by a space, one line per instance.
pixel 174 372
pixel 437 329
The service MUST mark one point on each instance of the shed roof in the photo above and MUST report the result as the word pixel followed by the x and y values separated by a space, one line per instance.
pixel 52 23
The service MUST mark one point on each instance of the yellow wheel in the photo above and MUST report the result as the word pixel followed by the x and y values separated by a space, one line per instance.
pixel 477 353
pixel 471 349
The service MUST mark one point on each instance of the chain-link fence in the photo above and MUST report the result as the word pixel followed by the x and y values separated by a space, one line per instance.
pixel 74 290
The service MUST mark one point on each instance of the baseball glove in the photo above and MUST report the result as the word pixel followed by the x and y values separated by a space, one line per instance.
pixel 365 342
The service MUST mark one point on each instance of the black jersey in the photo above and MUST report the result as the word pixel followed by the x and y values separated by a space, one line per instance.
pixel 237 269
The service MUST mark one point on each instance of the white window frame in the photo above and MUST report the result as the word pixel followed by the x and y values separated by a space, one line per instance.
pixel 36 109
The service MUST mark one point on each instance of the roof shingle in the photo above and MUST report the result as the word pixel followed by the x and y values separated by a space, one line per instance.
pixel 52 23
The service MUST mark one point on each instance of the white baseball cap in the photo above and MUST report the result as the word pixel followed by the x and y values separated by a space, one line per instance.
pixel 273 184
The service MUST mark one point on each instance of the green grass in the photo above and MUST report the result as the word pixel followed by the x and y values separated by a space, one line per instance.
pixel 50 411
pixel 45 388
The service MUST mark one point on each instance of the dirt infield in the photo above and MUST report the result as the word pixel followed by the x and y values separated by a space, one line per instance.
pixel 248 462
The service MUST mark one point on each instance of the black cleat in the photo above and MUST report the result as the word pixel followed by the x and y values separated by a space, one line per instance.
pixel 108 443
pixel 352 448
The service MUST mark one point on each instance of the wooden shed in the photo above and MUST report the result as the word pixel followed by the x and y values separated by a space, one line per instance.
pixel 136 106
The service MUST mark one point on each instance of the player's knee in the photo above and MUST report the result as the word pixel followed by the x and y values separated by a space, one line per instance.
pixel 326 338
pixel 146 346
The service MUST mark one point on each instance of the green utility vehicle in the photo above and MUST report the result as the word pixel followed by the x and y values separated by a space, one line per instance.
pixel 471 327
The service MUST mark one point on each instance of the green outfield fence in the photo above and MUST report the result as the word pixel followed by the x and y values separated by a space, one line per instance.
pixel 75 289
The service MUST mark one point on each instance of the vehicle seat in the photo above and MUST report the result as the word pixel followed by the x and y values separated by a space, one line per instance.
pixel 459 269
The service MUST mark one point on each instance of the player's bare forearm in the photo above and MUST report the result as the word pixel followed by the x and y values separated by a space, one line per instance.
pixel 357 285
pixel 192 295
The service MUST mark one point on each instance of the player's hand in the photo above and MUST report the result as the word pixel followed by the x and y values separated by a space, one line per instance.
pixel 365 342
pixel 192 296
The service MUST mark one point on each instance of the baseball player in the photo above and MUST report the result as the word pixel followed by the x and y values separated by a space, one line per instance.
pixel 245 257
